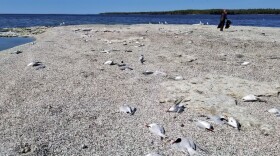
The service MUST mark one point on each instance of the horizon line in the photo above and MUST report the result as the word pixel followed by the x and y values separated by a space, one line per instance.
pixel 127 12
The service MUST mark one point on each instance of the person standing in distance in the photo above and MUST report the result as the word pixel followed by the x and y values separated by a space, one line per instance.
pixel 222 20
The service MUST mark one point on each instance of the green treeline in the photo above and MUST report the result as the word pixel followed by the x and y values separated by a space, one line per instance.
pixel 209 11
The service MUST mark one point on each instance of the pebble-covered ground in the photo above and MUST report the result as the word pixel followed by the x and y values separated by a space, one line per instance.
pixel 69 103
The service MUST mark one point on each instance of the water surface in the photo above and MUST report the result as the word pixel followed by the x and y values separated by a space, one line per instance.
pixel 9 42
pixel 28 20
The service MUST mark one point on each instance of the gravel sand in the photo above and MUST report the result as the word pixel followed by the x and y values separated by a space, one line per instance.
pixel 69 105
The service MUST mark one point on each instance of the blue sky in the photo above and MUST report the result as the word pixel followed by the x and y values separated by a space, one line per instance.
pixel 98 6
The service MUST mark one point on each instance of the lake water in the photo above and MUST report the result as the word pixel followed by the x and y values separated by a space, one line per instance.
pixel 25 20
pixel 54 20
pixel 9 42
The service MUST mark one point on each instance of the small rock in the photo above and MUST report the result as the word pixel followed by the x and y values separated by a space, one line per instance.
pixel 128 51
pixel 239 55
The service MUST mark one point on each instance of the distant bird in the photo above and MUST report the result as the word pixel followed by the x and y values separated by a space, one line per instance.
pixel 204 125
pixel 109 62
pixel 185 145
pixel 157 130
pixel 179 78
pixel 147 72
pixel 62 23
pixel 37 64
pixel 16 52
pixel 245 63
pixel 126 68
pixel 34 63
pixel 105 51
pixel 250 98
pixel 274 111
pixel 218 119
pixel 141 59
pixel 177 108
pixel 165 22
pixel 234 123
pixel 127 109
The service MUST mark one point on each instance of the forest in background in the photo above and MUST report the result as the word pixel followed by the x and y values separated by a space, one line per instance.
pixel 208 11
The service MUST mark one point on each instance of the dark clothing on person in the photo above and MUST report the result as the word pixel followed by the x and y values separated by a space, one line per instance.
pixel 228 23
pixel 222 21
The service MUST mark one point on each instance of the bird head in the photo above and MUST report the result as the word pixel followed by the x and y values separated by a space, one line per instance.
pixel 178 140
pixel 211 129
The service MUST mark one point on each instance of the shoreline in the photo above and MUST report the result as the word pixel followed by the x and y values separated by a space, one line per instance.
pixel 69 105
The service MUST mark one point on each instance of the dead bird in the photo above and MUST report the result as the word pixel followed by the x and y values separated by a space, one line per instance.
pixel 217 119
pixel 157 130
pixel 204 125
pixel 141 59
pixel 186 145
pixel 234 123
pixel 127 109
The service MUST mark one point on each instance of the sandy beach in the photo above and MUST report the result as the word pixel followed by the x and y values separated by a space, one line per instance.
pixel 70 106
